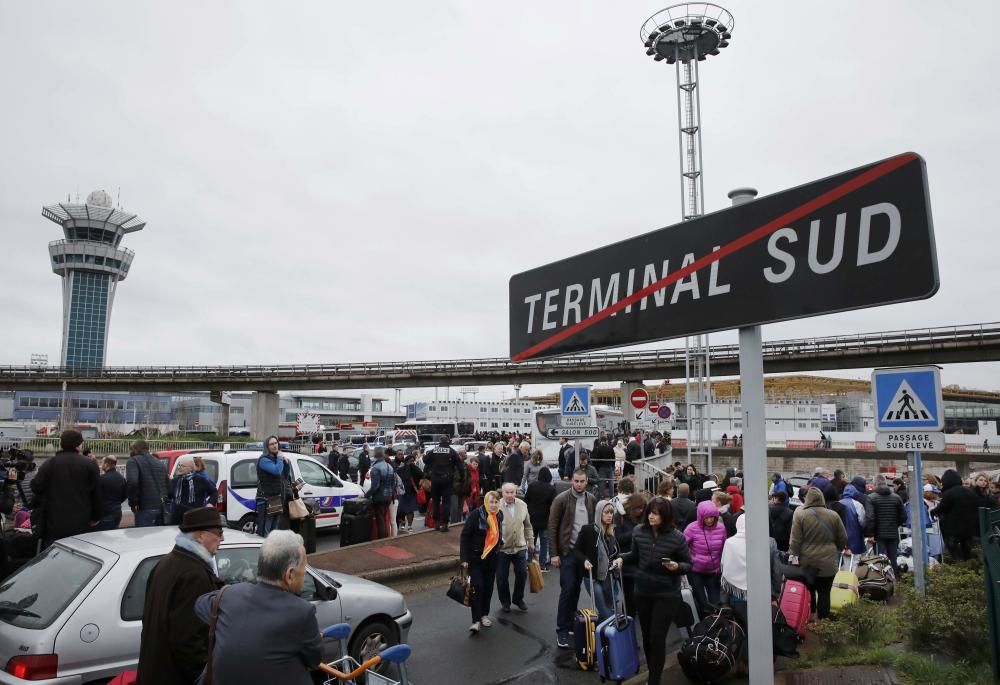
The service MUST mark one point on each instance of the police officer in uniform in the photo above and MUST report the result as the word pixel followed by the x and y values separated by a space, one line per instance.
pixel 440 465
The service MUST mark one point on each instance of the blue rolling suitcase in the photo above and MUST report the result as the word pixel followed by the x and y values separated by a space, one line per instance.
pixel 615 640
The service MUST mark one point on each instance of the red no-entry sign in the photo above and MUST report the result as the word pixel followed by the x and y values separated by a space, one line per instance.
pixel 639 398
pixel 653 407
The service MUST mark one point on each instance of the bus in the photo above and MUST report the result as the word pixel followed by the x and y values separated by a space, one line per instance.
pixel 605 418
pixel 432 431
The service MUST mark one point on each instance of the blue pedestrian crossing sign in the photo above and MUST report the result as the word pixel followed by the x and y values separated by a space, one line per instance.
pixel 575 400
pixel 908 398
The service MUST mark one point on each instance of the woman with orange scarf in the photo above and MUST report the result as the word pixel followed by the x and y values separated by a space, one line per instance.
pixel 480 542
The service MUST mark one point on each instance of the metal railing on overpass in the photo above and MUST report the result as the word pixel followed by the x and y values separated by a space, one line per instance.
pixel 950 344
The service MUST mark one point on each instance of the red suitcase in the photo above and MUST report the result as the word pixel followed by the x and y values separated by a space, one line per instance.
pixel 794 603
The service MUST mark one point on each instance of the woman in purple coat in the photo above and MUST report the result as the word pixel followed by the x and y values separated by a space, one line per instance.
pixel 706 536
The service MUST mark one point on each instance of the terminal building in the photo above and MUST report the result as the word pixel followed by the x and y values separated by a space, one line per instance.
pixel 505 415
pixel 338 410
pixel 91 263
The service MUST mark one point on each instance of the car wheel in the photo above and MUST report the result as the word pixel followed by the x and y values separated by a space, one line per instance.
pixel 369 640
pixel 248 524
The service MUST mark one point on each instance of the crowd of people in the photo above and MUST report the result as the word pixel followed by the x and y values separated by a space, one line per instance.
pixel 600 525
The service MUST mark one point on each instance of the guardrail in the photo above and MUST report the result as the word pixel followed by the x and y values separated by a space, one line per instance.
pixel 116 446
pixel 934 338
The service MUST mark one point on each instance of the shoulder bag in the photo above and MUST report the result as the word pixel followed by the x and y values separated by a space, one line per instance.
pixel 297 509
pixel 207 675
pixel 275 504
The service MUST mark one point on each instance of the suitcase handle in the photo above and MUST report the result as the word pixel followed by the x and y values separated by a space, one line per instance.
pixel 850 566
pixel 593 591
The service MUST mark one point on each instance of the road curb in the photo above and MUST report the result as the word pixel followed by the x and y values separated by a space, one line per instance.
pixel 423 568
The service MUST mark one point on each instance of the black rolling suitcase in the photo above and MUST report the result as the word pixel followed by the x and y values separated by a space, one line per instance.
pixel 355 529
pixel 357 506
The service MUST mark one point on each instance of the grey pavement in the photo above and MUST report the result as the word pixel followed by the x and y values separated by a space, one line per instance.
pixel 518 646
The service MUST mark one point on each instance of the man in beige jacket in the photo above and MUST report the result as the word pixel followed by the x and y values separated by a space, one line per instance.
pixel 517 540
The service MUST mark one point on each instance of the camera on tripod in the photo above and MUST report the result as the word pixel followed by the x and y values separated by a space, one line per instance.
pixel 22 461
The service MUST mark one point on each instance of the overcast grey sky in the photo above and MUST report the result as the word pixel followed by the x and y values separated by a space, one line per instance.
pixel 358 181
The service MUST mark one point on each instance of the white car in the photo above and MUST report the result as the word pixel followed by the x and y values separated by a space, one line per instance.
pixel 235 474
pixel 73 616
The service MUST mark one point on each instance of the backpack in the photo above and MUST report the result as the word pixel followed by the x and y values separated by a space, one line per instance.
pixel 876 580
pixel 716 645
pixel 400 487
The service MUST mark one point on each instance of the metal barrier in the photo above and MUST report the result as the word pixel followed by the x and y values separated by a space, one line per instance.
pixel 117 446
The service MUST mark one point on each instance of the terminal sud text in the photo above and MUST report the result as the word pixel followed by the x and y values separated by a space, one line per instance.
pixel 857 239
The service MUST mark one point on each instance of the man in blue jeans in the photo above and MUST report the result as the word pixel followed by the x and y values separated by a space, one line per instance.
pixel 518 540
pixel 571 510
pixel 148 485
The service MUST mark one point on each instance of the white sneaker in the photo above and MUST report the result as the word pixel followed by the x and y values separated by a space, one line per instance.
pixel 486 621
pixel 474 629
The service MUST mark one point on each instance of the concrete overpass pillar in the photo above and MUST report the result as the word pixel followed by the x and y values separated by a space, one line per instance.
pixel 962 466
pixel 627 387
pixel 265 411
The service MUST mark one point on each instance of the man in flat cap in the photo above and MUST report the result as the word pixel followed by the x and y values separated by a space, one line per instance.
pixel 174 647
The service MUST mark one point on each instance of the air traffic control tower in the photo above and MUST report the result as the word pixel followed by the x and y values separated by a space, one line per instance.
pixel 91 263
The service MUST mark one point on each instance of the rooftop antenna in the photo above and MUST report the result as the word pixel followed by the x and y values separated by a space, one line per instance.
pixel 119 197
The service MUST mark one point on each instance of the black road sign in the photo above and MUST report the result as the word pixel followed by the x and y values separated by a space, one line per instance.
pixel 858 239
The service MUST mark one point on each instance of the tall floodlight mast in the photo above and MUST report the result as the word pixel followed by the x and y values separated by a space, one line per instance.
pixel 684 35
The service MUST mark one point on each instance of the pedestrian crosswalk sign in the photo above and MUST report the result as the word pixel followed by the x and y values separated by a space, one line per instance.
pixel 908 398
pixel 575 400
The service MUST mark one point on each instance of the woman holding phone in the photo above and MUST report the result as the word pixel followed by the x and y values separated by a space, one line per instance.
pixel 660 557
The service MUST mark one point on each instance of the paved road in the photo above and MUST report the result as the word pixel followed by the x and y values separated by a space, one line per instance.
pixel 519 646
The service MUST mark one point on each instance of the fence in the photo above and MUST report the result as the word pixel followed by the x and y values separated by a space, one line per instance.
pixel 119 446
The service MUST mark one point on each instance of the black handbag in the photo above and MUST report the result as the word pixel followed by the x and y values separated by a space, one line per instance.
pixel 460 589
pixel 784 638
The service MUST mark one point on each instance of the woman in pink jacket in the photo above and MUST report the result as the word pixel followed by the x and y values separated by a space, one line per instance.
pixel 706 536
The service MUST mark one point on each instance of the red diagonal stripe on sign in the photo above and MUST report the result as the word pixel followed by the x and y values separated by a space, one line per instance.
pixel 753 236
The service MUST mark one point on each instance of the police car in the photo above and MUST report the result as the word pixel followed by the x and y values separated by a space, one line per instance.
pixel 235 474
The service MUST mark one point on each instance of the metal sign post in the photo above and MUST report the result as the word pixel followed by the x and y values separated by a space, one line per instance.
pixel 759 642
pixel 918 532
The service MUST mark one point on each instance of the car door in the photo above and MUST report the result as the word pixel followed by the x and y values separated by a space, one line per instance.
pixel 241 495
pixel 325 488
pixel 238 564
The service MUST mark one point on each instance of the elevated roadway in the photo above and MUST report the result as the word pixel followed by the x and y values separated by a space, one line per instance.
pixel 943 345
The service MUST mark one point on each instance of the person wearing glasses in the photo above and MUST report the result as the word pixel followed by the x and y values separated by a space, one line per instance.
pixel 174 643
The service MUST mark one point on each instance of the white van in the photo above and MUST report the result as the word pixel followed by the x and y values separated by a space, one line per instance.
pixel 235 474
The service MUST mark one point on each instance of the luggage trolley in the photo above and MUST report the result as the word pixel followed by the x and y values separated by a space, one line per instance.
pixel 346 670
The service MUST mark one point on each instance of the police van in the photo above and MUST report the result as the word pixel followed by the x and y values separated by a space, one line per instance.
pixel 235 474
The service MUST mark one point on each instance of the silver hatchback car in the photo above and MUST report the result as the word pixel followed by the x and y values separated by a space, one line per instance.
pixel 74 614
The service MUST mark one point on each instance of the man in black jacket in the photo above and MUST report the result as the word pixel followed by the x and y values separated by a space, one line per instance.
pixel 603 459
pixel 889 515
pixel 958 511
pixel 780 515
pixel 67 488
pixel 440 465
pixel 364 464
pixel 148 486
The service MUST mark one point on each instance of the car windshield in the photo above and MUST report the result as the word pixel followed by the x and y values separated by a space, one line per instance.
pixel 37 594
